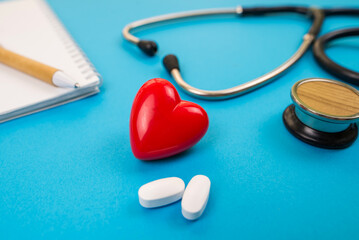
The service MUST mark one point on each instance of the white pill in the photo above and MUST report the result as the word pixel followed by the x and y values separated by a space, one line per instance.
pixel 195 197
pixel 161 192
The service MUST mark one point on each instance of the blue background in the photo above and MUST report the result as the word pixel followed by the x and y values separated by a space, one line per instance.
pixel 69 173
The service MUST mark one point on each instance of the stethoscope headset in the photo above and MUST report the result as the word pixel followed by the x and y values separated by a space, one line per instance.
pixel 317 16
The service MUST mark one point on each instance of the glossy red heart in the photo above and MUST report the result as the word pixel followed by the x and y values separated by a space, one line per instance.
pixel 161 124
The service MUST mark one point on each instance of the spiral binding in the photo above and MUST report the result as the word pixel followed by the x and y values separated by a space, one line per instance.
pixel 80 58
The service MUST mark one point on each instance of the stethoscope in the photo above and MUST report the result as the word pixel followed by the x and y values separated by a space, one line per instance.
pixel 317 16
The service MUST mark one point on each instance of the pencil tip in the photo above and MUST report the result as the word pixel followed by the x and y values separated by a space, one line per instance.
pixel 77 85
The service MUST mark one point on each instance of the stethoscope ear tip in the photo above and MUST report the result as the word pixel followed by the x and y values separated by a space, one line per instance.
pixel 148 47
pixel 170 62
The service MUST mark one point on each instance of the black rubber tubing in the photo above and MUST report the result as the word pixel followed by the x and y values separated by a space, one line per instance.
pixel 255 11
pixel 329 65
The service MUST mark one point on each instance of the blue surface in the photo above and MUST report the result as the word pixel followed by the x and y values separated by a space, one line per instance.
pixel 68 173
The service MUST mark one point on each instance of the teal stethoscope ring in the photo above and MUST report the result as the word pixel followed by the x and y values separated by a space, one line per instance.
pixel 171 62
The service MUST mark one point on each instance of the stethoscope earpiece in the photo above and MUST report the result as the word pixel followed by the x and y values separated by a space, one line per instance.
pixel 148 47
pixel 324 113
pixel 171 62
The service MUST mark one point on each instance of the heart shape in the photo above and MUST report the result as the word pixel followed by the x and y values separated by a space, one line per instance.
pixel 161 124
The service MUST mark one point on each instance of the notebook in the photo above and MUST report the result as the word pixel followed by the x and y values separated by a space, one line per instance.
pixel 30 28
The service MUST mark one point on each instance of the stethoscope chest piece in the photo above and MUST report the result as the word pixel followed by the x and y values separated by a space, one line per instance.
pixel 324 113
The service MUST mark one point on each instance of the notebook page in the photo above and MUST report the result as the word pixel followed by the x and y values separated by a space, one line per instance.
pixel 29 28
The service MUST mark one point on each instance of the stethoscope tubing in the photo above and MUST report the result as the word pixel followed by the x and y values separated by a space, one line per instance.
pixel 328 64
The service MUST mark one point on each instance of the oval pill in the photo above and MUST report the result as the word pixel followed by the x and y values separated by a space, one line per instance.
pixel 195 197
pixel 161 192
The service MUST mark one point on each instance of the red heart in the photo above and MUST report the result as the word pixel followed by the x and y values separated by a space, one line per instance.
pixel 161 124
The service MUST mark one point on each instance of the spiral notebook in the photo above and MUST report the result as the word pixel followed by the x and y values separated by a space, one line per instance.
pixel 30 28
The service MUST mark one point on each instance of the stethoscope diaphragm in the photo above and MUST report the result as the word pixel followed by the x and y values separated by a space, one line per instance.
pixel 324 113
